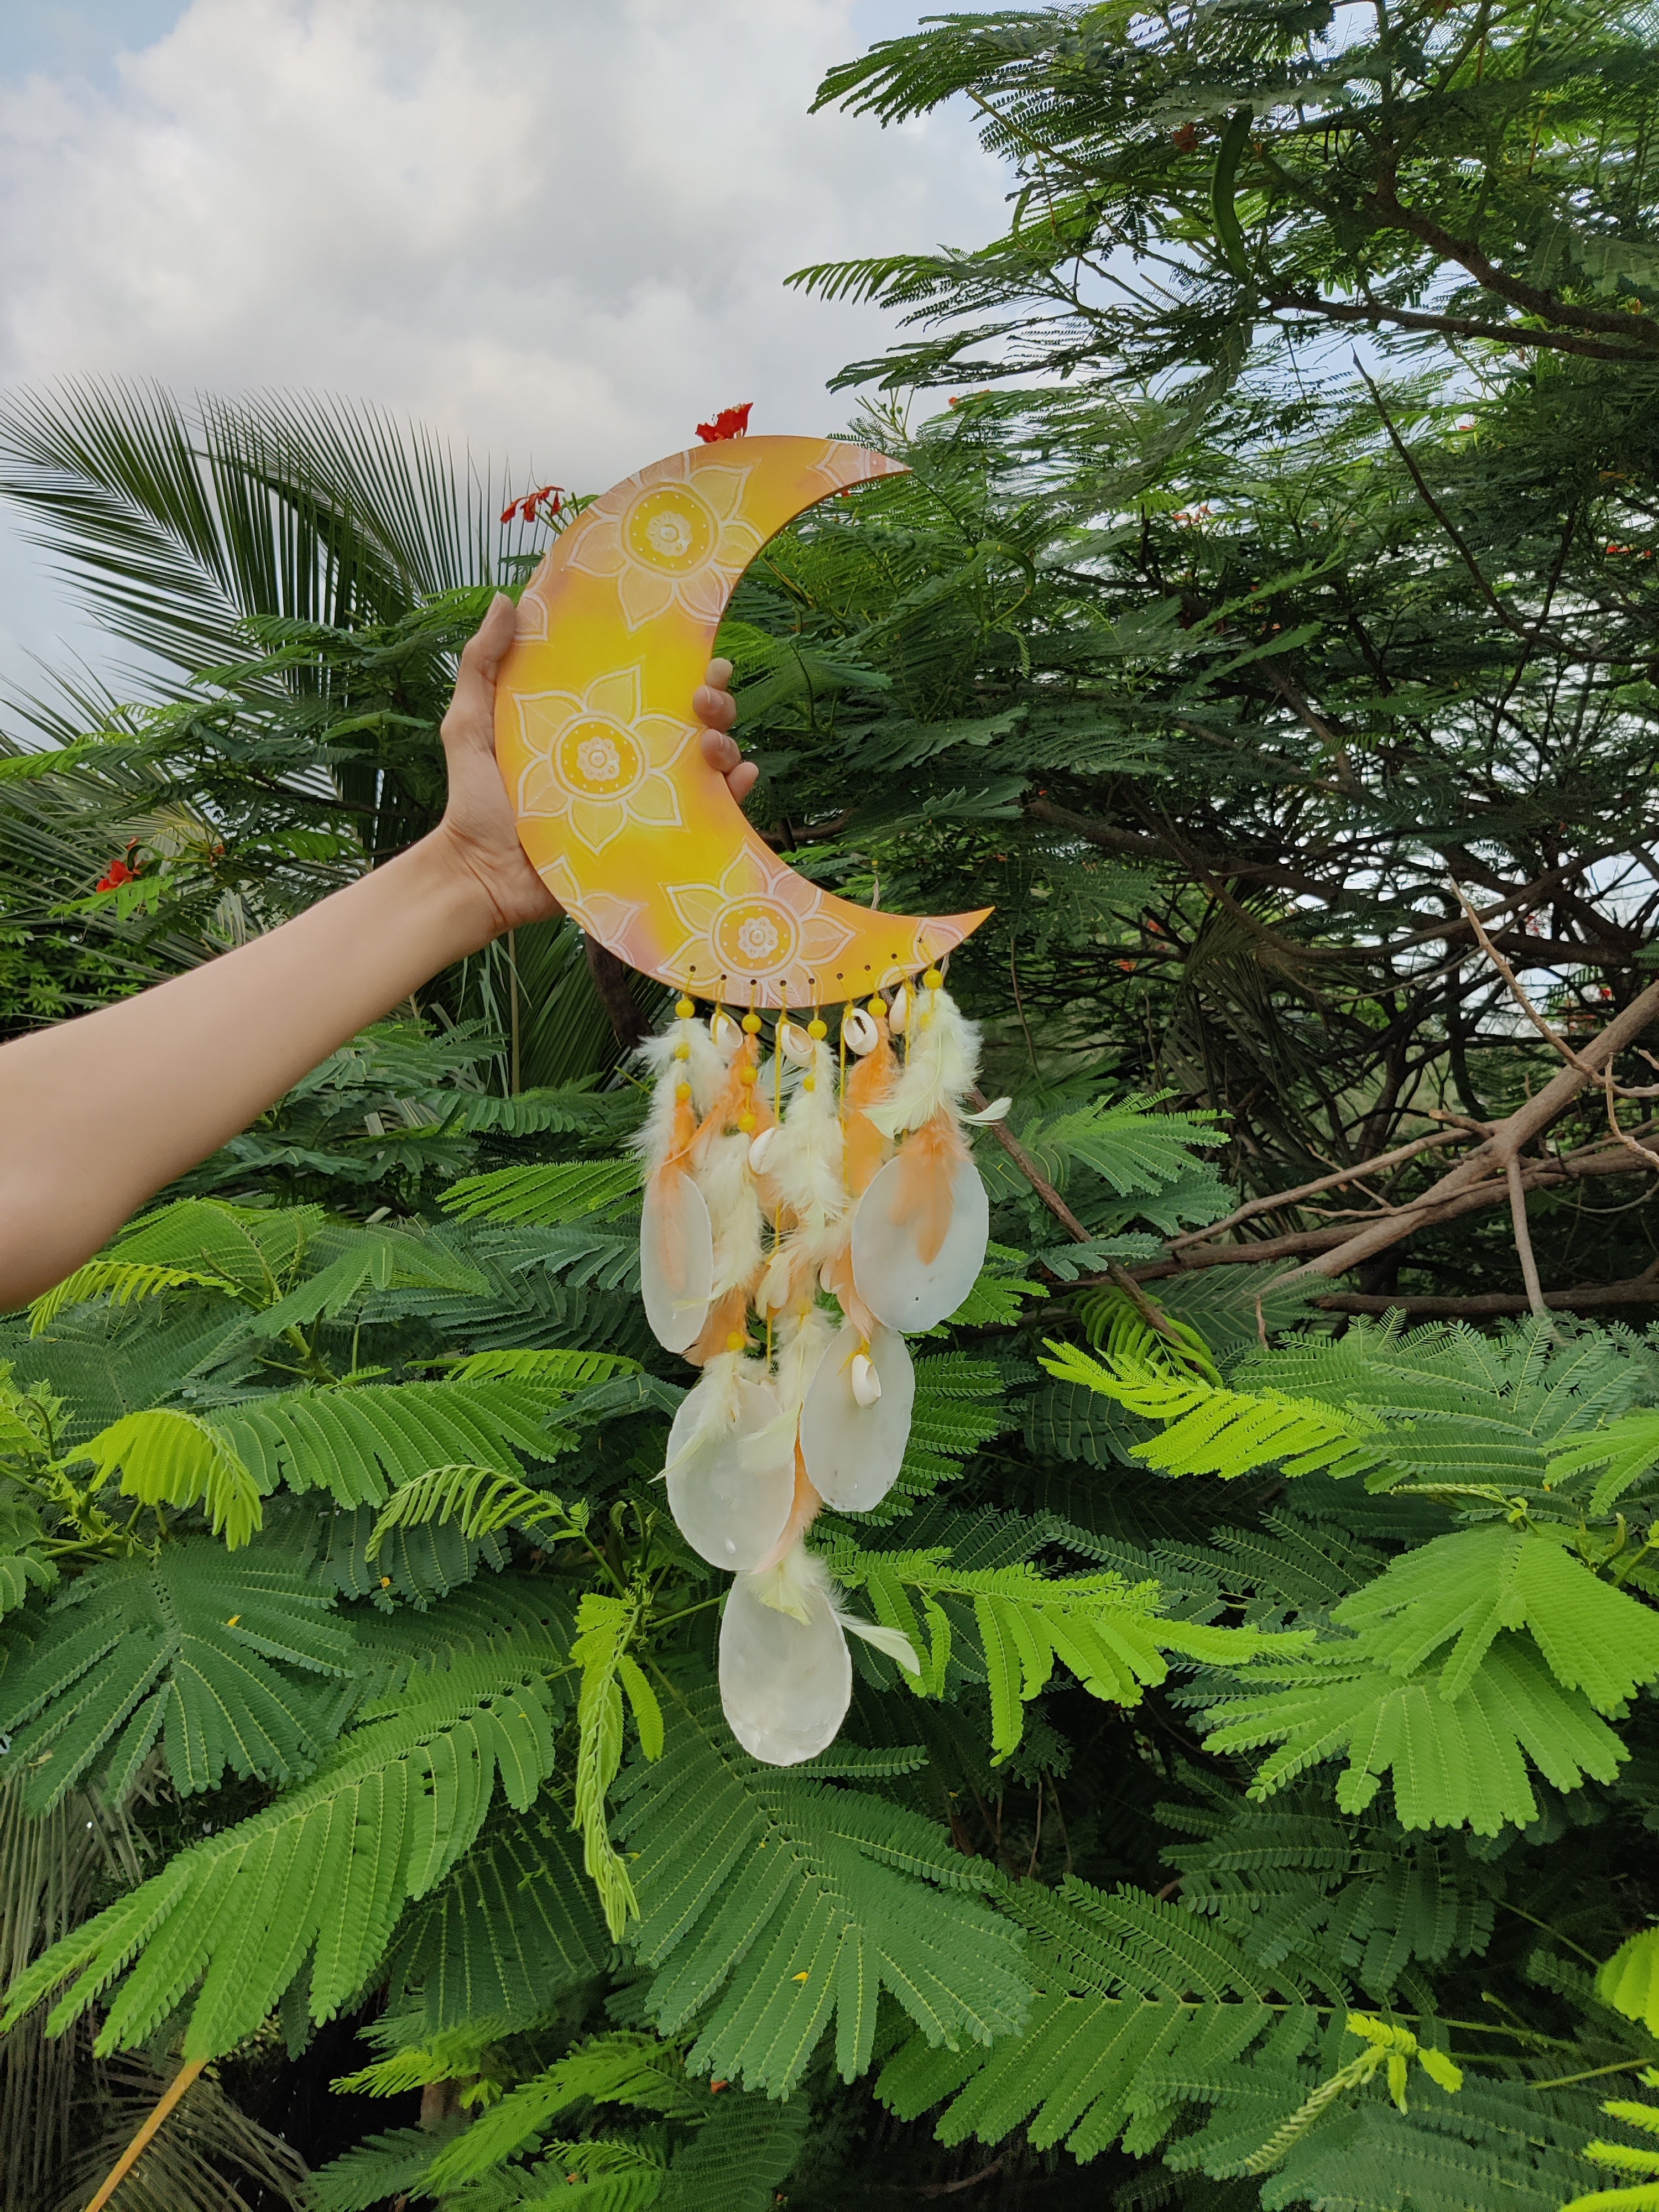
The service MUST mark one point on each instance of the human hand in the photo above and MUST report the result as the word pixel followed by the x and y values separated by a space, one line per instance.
pixel 479 832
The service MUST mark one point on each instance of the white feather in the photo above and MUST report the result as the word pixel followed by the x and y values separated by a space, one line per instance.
pixel 790 1587
pixel 942 1061
pixel 802 1341
pixel 701 1068
pixel 893 1641
pixel 726 1181
pixel 804 1172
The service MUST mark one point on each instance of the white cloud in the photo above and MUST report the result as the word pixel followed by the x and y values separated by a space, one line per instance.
pixel 555 228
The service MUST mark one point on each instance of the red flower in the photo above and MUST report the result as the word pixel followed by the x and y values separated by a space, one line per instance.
pixel 551 497
pixel 729 423
pixel 119 873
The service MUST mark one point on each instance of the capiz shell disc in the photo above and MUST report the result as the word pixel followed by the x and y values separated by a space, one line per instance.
pixel 786 1684
pixel 676 1260
pixel 898 1286
pixel 731 1488
pixel 852 1452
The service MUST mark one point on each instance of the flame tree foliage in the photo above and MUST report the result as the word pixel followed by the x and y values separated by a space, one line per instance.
pixel 1270 1821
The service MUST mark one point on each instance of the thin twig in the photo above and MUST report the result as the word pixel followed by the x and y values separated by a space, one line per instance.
pixel 1150 1312
pixel 1603 1075
pixel 1274 1201
pixel 176 2089
pixel 969 2181
pixel 1524 1235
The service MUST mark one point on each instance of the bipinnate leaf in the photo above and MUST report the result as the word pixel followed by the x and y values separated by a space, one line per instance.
pixel 547 1193
pixel 512 1926
pixel 1110 1633
pixel 774 1907
pixel 169 1457
pixel 1629 1981
pixel 603 1626
pixel 622 2069
pixel 123 1282
pixel 1127 1988
pixel 1625 1450
pixel 211 1654
pixel 321 1875
pixel 1471 1585
pixel 1214 1430
pixel 1453 1760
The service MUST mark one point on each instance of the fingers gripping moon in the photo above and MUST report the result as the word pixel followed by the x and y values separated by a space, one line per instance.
pixel 630 828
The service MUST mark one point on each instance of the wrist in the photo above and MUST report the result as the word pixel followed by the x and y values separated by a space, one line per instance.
pixel 454 894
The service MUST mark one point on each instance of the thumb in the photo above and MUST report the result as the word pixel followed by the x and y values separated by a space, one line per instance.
pixel 470 718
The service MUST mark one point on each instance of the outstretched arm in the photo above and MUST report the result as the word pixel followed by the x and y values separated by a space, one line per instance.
pixel 96 1115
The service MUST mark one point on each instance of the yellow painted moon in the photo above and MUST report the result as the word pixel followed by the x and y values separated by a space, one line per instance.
pixel 631 830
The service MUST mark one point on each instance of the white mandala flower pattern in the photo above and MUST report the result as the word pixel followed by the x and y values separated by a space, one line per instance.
pixel 670 537
pixel 761 924
pixel 596 760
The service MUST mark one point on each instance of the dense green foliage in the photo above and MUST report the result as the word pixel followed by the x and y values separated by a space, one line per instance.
pixel 1270 1819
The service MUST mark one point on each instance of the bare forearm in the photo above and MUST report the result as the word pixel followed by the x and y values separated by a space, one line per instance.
pixel 96 1115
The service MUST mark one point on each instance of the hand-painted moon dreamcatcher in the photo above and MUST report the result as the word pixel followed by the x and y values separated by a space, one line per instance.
pixel 819 1203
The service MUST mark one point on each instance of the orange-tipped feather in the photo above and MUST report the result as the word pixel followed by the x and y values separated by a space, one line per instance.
pixel 802 1514
pixel 928 1160
pixel 867 1084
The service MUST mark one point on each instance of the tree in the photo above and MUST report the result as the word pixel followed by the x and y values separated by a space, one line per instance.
pixel 1270 1820
pixel 1318 645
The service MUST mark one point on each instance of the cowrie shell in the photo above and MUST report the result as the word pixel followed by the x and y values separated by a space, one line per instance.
pixel 797 1045
pixel 866 1383
pixel 859 1032
pixel 725 1032
pixel 899 1012
pixel 759 1149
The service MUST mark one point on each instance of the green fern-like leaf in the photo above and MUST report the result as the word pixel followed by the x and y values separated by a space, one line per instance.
pixel 739 2157
pixel 167 1457
pixel 1472 1585
pixel 1625 1450
pixel 1630 1979
pixel 326 1870
pixel 603 1627
pixel 359 1443
pixel 1453 1760
pixel 255 1251
pixel 771 1907
pixel 1125 1985
pixel 481 1501
pixel 193 1649
pixel 507 1932
pixel 622 2069
pixel 548 1195
pixel 1212 1430
pixel 1109 1634
pixel 122 1282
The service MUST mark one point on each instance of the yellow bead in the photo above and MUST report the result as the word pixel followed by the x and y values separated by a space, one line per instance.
pixel 933 979
pixel 745 1122
pixel 682 1052
pixel 816 1028
pixel 751 1023
pixel 736 1341
pixel 685 1008
pixel 878 1008
pixel 682 1091
pixel 745 1075
pixel 809 1083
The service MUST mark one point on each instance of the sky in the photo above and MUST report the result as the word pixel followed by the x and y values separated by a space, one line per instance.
pixel 556 229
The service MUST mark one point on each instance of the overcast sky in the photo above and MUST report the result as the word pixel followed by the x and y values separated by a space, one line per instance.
pixel 557 228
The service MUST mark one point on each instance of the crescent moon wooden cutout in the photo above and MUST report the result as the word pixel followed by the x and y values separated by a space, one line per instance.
pixel 631 830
